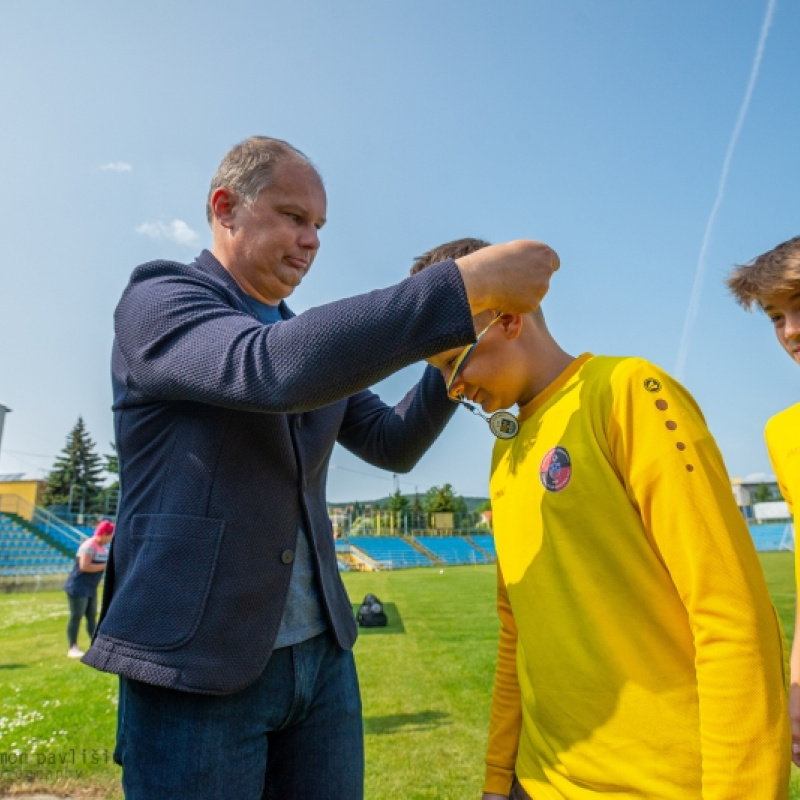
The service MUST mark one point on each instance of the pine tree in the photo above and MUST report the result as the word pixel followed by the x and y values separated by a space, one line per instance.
pixel 75 480
pixel 110 495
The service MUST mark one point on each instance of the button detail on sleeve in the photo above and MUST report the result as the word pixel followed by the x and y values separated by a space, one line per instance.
pixel 287 556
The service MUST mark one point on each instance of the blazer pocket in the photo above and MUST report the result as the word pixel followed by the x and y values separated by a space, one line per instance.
pixel 162 598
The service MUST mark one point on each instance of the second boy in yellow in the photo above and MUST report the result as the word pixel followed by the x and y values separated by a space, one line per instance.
pixel 771 282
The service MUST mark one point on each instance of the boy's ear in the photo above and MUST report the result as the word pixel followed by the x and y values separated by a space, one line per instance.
pixel 511 325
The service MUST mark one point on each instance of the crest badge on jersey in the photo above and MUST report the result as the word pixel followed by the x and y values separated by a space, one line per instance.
pixel 652 385
pixel 555 469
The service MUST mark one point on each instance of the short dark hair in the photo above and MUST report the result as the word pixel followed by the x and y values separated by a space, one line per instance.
pixel 773 272
pixel 247 168
pixel 458 248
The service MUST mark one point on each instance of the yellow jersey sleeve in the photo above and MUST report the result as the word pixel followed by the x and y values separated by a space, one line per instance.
pixel 674 475
pixel 505 720
pixel 783 443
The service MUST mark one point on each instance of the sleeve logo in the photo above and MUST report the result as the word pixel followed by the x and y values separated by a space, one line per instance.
pixel 555 469
pixel 652 385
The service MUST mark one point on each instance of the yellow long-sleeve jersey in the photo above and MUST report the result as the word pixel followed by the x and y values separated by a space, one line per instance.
pixel 783 442
pixel 639 655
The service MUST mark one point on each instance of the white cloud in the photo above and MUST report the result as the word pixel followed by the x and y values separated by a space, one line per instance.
pixel 759 477
pixel 176 231
pixel 116 166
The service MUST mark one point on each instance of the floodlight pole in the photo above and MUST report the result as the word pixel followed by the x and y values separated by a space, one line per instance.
pixel 3 411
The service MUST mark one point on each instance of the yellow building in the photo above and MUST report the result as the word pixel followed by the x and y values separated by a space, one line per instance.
pixel 19 496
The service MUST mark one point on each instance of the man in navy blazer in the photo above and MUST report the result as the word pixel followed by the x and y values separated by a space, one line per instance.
pixel 223 611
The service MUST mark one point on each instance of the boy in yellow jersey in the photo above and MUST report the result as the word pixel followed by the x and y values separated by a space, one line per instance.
pixel 639 653
pixel 772 282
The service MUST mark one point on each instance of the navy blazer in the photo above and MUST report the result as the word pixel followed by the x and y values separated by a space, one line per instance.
pixel 224 430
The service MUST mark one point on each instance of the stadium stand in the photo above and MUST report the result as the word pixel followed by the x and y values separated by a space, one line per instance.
pixel 453 550
pixel 485 543
pixel 773 536
pixel 23 553
pixel 389 552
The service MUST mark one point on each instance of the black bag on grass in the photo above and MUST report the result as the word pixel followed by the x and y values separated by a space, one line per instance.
pixel 371 613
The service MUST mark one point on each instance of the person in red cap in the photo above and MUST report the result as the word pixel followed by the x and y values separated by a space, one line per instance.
pixel 81 585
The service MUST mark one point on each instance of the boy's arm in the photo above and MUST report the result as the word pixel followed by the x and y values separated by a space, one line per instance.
pixel 794 689
pixel 505 720
pixel 775 436
pixel 675 476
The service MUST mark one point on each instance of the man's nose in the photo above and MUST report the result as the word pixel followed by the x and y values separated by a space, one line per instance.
pixel 309 238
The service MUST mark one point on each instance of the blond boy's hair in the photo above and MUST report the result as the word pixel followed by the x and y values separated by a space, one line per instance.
pixel 774 272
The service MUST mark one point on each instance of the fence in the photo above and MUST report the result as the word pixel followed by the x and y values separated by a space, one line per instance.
pixel 382 522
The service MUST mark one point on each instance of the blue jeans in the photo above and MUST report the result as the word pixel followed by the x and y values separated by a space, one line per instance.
pixel 295 733
pixel 80 607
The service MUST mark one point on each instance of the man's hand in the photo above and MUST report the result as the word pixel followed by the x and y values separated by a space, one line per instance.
pixel 794 714
pixel 511 277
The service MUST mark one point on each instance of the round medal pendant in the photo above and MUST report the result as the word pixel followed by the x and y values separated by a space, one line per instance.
pixel 503 425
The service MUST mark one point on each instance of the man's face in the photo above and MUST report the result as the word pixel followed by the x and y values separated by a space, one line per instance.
pixel 784 311
pixel 274 241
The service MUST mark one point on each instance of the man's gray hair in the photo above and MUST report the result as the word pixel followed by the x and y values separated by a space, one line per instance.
pixel 248 167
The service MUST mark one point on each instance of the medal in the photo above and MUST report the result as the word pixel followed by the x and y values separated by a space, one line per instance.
pixel 503 424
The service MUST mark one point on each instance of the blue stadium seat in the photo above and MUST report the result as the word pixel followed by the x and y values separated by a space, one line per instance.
pixel 772 536
pixel 453 550
pixel 485 542
pixel 390 552
pixel 22 553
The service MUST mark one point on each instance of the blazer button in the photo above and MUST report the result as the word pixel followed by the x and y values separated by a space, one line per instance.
pixel 287 556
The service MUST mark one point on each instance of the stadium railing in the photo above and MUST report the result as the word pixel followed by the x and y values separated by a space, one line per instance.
pixel 53 530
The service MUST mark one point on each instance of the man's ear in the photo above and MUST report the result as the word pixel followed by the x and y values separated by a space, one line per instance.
pixel 223 203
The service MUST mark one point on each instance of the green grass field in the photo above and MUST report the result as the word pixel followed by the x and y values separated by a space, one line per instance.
pixel 426 683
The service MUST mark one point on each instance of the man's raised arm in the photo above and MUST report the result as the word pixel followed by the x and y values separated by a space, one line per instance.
pixel 512 277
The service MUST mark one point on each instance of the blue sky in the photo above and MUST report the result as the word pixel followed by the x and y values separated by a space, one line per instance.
pixel 600 128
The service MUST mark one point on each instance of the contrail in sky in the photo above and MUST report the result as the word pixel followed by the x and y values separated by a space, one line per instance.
pixel 697 288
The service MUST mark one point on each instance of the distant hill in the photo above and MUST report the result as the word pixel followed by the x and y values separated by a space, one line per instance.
pixel 472 502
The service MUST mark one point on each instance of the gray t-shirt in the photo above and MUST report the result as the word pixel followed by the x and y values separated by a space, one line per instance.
pixel 303 617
